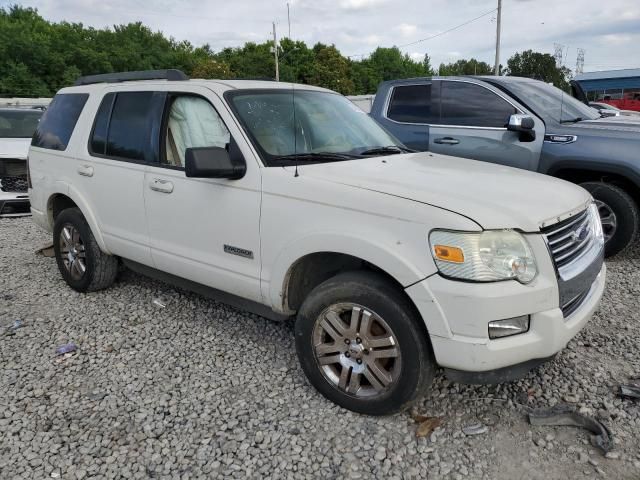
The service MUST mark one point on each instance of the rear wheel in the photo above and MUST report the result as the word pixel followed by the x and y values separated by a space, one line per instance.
pixel 618 214
pixel 362 345
pixel 82 264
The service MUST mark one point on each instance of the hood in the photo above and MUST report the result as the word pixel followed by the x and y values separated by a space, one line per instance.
pixel 14 147
pixel 622 123
pixel 493 196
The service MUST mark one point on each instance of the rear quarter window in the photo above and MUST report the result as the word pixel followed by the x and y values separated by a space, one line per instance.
pixel 57 123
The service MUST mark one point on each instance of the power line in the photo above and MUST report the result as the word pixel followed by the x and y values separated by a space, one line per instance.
pixel 436 35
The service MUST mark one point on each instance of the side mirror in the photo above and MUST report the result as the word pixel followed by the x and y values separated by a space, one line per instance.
pixel 523 124
pixel 520 123
pixel 215 162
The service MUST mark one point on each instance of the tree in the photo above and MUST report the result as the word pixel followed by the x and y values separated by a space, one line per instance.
pixel 330 69
pixel 210 68
pixel 465 67
pixel 541 66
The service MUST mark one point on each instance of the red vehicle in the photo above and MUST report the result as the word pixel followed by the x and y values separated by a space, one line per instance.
pixel 620 88
pixel 629 101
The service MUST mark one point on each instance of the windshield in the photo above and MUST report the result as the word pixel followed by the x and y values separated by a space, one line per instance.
pixel 328 127
pixel 19 123
pixel 549 101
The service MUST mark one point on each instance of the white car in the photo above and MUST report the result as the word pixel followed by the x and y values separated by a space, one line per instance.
pixel 392 263
pixel 16 129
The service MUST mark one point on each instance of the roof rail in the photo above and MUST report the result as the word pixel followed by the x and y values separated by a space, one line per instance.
pixel 170 74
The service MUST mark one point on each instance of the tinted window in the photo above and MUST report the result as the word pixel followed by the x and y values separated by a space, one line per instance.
pixel 18 123
pixel 412 104
pixel 99 135
pixel 129 128
pixel 57 123
pixel 471 105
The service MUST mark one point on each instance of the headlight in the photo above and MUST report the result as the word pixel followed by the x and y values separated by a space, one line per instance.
pixel 483 257
pixel 596 224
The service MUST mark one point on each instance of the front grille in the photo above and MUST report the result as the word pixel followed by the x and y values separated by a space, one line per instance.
pixel 13 184
pixel 568 239
pixel 573 304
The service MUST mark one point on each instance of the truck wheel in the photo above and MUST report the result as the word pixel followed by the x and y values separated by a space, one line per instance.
pixel 619 215
pixel 362 345
pixel 82 264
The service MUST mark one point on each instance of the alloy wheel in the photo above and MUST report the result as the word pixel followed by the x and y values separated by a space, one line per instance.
pixel 73 252
pixel 356 350
pixel 608 219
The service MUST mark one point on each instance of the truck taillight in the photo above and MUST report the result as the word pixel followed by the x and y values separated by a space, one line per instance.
pixel 28 175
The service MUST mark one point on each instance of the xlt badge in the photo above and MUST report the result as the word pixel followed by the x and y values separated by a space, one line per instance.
pixel 241 252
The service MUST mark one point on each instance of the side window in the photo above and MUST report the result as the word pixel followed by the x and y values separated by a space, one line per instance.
pixel 191 122
pixel 412 104
pixel 128 135
pixel 467 104
pixel 99 135
pixel 57 123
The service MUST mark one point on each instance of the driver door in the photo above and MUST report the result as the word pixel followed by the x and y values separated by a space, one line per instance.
pixel 472 124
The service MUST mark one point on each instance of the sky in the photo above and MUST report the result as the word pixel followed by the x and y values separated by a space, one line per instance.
pixel 608 31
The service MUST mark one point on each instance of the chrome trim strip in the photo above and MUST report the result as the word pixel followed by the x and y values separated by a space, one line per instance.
pixel 571 138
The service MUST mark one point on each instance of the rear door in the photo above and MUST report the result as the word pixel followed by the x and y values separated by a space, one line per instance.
pixel 473 124
pixel 408 111
pixel 122 142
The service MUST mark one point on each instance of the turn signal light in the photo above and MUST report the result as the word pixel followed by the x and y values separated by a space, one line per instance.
pixel 448 254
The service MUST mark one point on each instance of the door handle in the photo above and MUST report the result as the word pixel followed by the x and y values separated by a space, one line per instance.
pixel 160 185
pixel 85 170
pixel 447 141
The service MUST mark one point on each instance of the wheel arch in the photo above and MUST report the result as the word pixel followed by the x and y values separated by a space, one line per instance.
pixel 579 172
pixel 60 200
pixel 306 264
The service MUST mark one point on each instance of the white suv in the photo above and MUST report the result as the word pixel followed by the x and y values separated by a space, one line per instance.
pixel 288 201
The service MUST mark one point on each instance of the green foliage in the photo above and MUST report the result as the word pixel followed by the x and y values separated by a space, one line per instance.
pixel 465 67
pixel 38 57
pixel 541 66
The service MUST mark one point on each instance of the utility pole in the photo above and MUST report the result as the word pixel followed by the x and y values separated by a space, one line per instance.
pixel 275 51
pixel 289 20
pixel 497 68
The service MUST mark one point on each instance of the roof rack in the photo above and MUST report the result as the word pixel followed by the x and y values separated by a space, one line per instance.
pixel 169 74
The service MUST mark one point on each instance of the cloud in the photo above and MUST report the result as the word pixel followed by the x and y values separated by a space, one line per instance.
pixel 406 29
pixel 359 4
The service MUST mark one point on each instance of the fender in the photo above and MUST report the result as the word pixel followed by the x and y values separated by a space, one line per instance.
pixel 601 167
pixel 394 262
pixel 63 188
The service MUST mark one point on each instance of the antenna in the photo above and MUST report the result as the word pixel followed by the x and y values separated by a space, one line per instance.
pixel 289 19
pixel 295 133
pixel 580 61
pixel 275 51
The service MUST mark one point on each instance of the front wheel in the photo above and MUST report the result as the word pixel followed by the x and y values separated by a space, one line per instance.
pixel 618 214
pixel 362 345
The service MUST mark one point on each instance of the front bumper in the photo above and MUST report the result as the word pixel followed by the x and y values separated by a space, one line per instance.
pixel 457 316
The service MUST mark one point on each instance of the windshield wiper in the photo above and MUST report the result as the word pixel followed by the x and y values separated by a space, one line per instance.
pixel 572 120
pixel 388 149
pixel 321 156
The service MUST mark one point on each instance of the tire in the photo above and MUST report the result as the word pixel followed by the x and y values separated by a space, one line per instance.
pixel 619 213
pixel 86 268
pixel 373 298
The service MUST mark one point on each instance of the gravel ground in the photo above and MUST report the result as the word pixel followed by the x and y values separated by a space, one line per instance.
pixel 199 389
